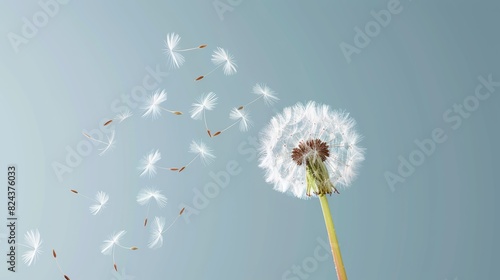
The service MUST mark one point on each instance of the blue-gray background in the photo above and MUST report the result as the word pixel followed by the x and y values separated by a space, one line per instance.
pixel 440 223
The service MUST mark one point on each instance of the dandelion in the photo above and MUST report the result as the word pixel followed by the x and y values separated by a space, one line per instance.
pixel 175 59
pixel 108 145
pixel 240 116
pixel 101 199
pixel 263 92
pixel 202 151
pixel 108 248
pixel 311 150
pixel 153 108
pixel 206 102
pixel 59 266
pixel 119 118
pixel 148 164
pixel 158 229
pixel 146 195
pixel 221 57
pixel 34 244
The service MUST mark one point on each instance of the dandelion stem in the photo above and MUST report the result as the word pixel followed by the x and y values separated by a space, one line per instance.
pixel 213 70
pixel 88 197
pixel 205 120
pixel 164 168
pixel 175 220
pixel 171 111
pixel 147 215
pixel 113 255
pixel 251 102
pixel 334 243
pixel 230 126
pixel 121 246
pixel 192 160
pixel 98 141
pixel 185 50
pixel 59 267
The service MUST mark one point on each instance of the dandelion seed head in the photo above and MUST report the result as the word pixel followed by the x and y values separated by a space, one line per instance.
pixel 34 242
pixel 221 56
pixel 175 59
pixel 242 116
pixel 145 196
pixel 110 144
pixel 152 106
pixel 112 240
pixel 101 199
pixel 123 115
pixel 306 132
pixel 204 152
pixel 156 235
pixel 148 163
pixel 267 93
pixel 205 102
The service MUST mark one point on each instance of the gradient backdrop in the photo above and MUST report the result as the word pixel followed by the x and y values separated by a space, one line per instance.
pixel 83 62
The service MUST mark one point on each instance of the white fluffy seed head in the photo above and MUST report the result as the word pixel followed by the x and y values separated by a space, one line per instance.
pixel 147 194
pixel 203 151
pixel 102 199
pixel 302 123
pixel 152 106
pixel 123 115
pixel 205 102
pixel 33 242
pixel 148 163
pixel 175 59
pixel 110 144
pixel 114 239
pixel 156 234
pixel 242 116
pixel 266 92
pixel 221 56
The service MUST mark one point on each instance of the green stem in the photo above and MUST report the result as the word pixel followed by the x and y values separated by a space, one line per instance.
pixel 332 236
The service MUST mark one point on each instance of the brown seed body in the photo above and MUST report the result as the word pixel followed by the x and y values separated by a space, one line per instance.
pixel 308 148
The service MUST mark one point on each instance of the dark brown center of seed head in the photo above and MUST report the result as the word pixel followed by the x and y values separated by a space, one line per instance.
pixel 305 149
